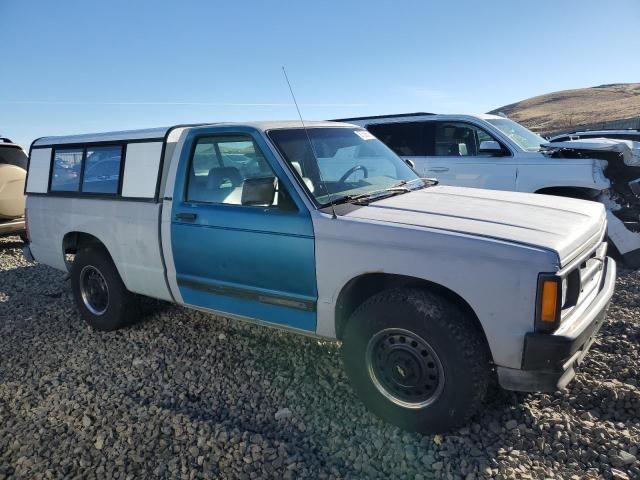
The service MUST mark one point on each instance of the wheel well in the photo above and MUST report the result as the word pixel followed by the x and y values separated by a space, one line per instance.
pixel 73 242
pixel 359 289
pixel 580 193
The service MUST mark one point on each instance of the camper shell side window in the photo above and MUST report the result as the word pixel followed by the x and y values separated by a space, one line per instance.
pixel 90 170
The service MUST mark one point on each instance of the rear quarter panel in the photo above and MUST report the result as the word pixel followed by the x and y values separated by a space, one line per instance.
pixel 128 229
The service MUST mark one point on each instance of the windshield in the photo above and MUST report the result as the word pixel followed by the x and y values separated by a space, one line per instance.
pixel 525 138
pixel 350 162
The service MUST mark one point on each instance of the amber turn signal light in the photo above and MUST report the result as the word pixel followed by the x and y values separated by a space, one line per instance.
pixel 549 301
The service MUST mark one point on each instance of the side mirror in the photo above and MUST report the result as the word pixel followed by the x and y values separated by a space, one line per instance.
pixel 491 147
pixel 259 192
pixel 411 163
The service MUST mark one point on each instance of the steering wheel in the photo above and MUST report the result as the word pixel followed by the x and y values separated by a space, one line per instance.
pixel 352 170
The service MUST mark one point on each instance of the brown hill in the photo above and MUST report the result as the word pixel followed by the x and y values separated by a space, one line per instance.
pixel 606 106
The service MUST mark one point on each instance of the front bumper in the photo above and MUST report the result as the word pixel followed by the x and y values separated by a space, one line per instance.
pixel 549 360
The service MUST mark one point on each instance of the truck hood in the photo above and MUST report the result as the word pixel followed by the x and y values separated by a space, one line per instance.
pixel 629 150
pixel 563 225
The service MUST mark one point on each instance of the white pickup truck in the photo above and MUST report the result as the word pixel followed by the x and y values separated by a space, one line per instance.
pixel 325 231
pixel 490 151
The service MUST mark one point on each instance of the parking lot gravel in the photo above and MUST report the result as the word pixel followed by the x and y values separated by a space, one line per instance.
pixel 183 394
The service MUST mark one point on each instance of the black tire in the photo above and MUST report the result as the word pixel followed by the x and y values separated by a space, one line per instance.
pixel 120 308
pixel 455 351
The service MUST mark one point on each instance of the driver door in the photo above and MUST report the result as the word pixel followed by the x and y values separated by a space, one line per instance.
pixel 242 259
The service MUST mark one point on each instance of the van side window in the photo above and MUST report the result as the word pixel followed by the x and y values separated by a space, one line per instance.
pixel 404 138
pixel 225 167
pixel 102 169
pixel 65 176
pixel 459 139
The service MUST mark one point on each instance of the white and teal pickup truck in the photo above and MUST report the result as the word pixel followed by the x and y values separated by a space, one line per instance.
pixel 323 230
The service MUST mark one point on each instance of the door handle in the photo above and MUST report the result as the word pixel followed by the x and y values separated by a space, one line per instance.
pixel 186 216
pixel 439 169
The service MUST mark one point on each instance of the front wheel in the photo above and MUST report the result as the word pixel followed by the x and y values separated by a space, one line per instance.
pixel 101 296
pixel 416 360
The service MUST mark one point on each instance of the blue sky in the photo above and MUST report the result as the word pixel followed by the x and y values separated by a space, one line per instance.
pixel 72 66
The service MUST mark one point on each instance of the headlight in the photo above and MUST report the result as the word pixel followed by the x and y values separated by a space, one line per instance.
pixel 565 290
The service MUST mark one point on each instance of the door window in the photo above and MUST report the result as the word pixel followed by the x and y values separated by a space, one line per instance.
pixel 404 138
pixel 231 169
pixel 459 139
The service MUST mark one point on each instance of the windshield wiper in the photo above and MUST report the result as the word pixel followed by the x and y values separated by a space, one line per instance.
pixel 360 199
pixel 428 182
pixel 400 187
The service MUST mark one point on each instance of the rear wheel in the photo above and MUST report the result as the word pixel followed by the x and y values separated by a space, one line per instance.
pixel 416 360
pixel 101 296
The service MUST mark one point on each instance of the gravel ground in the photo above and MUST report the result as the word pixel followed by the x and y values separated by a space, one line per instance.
pixel 187 395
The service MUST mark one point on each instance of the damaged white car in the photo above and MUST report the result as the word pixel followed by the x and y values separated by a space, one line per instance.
pixel 620 163
pixel 490 151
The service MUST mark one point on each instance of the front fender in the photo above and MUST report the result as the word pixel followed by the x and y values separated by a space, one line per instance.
pixel 497 279
pixel 585 175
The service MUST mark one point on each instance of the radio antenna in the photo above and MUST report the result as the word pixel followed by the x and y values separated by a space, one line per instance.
pixel 313 150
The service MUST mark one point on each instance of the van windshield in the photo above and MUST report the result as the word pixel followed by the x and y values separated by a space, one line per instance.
pixel 345 163
pixel 525 138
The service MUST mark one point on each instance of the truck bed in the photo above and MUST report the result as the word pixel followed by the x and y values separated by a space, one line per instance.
pixel 129 229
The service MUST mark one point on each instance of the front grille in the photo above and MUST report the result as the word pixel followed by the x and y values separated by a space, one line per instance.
pixel 584 278
pixel 590 272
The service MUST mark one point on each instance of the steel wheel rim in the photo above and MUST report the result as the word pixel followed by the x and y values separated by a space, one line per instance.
pixel 404 368
pixel 94 290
